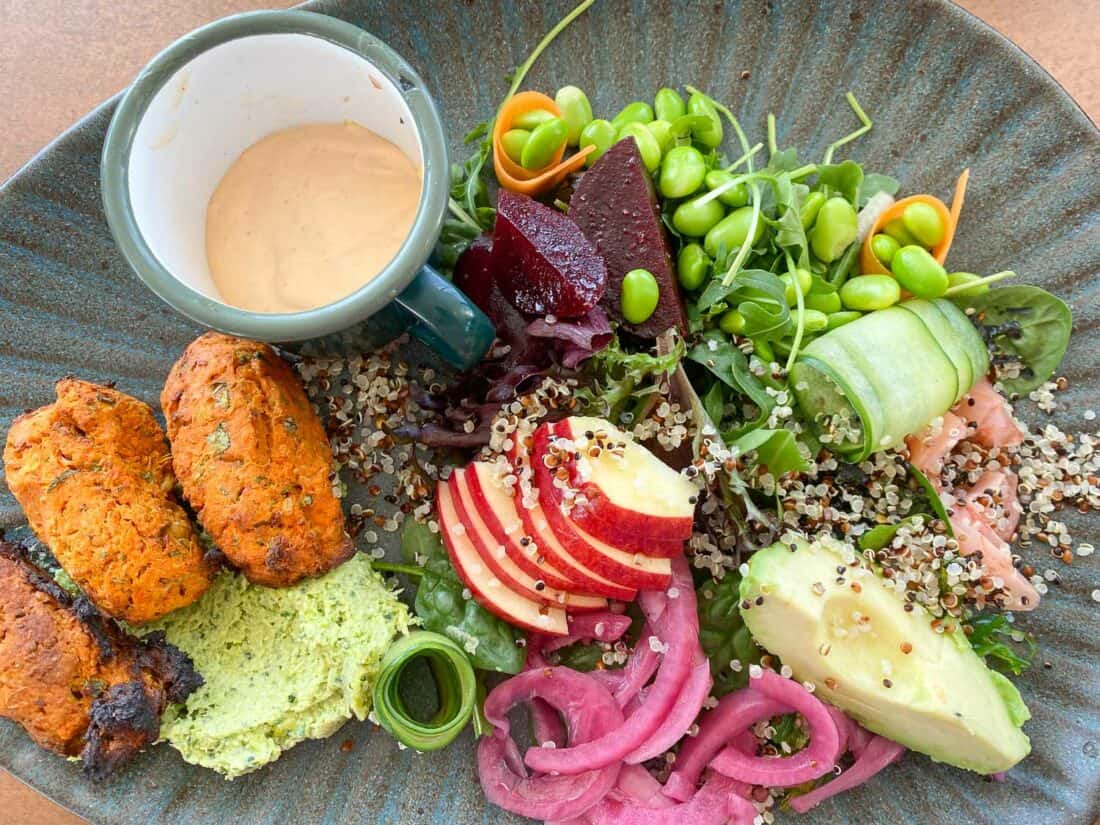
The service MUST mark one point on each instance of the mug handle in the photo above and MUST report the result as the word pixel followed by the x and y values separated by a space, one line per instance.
pixel 445 319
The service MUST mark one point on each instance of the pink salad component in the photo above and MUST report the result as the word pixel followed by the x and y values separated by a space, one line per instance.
pixel 975 535
pixel 716 803
pixel 546 724
pixel 589 712
pixel 678 635
pixel 990 417
pixel 876 755
pixel 812 762
pixel 687 707
pixel 725 725
pixel 994 495
pixel 639 786
pixel 929 450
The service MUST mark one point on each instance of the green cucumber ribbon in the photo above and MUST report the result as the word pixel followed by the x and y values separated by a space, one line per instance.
pixel 455 684
pixel 866 385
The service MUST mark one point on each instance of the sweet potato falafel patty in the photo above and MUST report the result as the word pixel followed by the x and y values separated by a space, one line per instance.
pixel 73 679
pixel 254 461
pixel 93 475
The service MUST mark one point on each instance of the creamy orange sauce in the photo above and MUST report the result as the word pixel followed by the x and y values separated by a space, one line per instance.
pixel 308 215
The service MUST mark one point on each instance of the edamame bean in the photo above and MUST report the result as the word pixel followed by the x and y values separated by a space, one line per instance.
pixel 919 272
pixel 870 292
pixel 576 111
pixel 896 230
pixel 839 319
pixel 709 132
pixel 696 220
pixel 531 119
pixel 662 130
pixel 763 350
pixel 924 223
pixel 682 172
pixel 692 266
pixel 648 147
pixel 668 105
pixel 598 133
pixel 834 230
pixel 640 295
pixel 637 112
pixel 737 195
pixel 805 282
pixel 812 205
pixel 884 247
pixel 814 321
pixel 732 231
pixel 960 278
pixel 513 142
pixel 732 323
pixel 545 141
pixel 826 302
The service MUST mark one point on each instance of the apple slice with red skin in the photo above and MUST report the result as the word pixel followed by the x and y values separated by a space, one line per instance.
pixel 487 590
pixel 498 509
pixel 536 524
pixel 634 569
pixel 496 558
pixel 634 502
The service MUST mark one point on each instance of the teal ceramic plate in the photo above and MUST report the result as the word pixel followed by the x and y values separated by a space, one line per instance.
pixel 945 91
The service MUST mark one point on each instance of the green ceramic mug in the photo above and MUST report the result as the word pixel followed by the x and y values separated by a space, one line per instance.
pixel 212 94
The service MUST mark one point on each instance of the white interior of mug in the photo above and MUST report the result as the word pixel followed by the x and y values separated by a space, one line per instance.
pixel 225 100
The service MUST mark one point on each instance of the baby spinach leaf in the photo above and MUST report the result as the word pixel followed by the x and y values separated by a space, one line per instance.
pixel 1027 323
pixel 873 183
pixel 932 497
pixel 723 635
pixel 441 606
pixel 775 449
pixel 844 179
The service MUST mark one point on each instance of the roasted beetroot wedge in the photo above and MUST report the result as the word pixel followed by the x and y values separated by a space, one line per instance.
pixel 616 207
pixel 543 263
pixel 474 271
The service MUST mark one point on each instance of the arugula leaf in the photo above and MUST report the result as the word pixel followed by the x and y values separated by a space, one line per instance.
pixel 1027 323
pixel 790 236
pixel 878 537
pixel 440 605
pixel 759 296
pixel 714 402
pixel 730 366
pixel 842 179
pixel 775 449
pixel 994 639
pixel 723 635
pixel 785 160
pixel 873 183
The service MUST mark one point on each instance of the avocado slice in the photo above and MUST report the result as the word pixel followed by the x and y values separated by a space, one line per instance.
pixel 850 639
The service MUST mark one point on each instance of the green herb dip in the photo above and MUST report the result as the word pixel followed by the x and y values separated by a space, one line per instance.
pixel 281 665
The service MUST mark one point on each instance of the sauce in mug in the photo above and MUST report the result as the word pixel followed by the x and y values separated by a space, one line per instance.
pixel 308 215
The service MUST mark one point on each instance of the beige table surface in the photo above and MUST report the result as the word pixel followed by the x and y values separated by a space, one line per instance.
pixel 62 57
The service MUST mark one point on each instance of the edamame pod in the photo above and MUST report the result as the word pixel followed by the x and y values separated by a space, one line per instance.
pixel 736 195
pixel 648 147
pixel 637 112
pixel 692 266
pixel 598 133
pixel 543 144
pixel 709 132
pixel 682 172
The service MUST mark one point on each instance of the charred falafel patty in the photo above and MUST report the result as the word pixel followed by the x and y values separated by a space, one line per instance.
pixel 93 475
pixel 73 679
pixel 254 461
